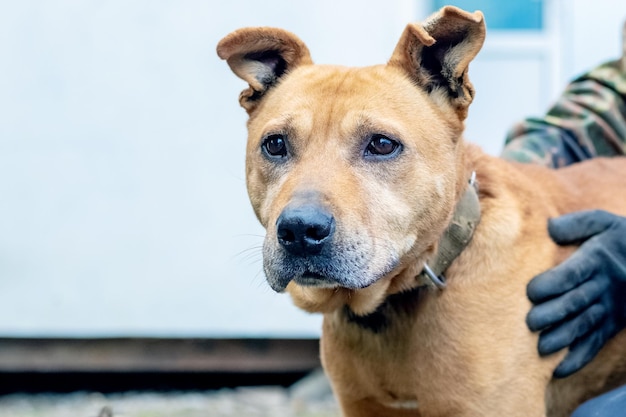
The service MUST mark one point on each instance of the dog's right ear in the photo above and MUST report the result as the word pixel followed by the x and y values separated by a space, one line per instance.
pixel 261 56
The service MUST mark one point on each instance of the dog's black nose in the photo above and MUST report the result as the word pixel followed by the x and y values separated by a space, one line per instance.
pixel 303 230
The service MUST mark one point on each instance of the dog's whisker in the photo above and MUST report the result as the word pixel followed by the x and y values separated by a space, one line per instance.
pixel 246 235
pixel 252 249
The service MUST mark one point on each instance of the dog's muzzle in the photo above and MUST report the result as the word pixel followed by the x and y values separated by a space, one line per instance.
pixel 309 247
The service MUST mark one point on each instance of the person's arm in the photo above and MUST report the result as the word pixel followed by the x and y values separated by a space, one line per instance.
pixel 581 303
pixel 587 120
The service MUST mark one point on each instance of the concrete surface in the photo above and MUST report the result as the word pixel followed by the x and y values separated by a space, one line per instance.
pixel 258 401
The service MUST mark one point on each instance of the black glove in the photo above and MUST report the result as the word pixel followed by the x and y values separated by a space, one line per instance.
pixel 581 303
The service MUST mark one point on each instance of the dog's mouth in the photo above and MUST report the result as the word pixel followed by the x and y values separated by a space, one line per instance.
pixel 309 278
pixel 332 274
pixel 314 279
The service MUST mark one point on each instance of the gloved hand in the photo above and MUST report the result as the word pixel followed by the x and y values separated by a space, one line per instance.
pixel 581 303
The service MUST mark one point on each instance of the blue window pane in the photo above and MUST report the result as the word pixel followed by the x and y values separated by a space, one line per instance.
pixel 503 15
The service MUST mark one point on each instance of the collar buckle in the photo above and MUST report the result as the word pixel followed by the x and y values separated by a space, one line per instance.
pixel 438 281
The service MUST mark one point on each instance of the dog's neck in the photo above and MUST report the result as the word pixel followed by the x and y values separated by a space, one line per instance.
pixel 455 238
pixel 453 241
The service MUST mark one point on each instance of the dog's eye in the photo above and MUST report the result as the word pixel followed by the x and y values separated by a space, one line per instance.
pixel 381 145
pixel 275 146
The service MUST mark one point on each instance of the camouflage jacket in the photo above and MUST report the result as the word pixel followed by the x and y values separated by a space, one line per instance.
pixel 589 119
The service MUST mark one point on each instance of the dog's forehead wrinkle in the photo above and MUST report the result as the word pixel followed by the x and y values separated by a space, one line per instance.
pixel 333 105
pixel 360 123
pixel 323 124
pixel 295 124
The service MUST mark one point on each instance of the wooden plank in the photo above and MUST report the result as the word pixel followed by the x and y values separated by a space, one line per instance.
pixel 157 355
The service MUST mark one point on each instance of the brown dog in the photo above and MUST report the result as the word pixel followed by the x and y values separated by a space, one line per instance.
pixel 355 173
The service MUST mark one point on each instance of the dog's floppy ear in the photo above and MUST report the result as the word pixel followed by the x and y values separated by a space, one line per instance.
pixel 437 54
pixel 261 56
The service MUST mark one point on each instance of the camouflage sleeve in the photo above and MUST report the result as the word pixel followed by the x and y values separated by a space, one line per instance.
pixel 589 119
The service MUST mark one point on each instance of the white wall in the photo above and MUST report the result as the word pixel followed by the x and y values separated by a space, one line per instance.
pixel 122 199
pixel 593 29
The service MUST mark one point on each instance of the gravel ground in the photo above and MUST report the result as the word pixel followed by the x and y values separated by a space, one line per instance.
pixel 309 397
pixel 240 402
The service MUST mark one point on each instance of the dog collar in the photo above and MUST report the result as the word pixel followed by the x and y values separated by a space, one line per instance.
pixel 456 237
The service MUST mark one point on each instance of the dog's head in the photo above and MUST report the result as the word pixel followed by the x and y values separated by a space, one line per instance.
pixel 354 172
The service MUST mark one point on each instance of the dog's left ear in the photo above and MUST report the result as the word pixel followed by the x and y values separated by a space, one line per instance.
pixel 437 55
pixel 261 56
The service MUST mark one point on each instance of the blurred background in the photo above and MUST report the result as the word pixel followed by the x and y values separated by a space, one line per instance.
pixel 127 242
